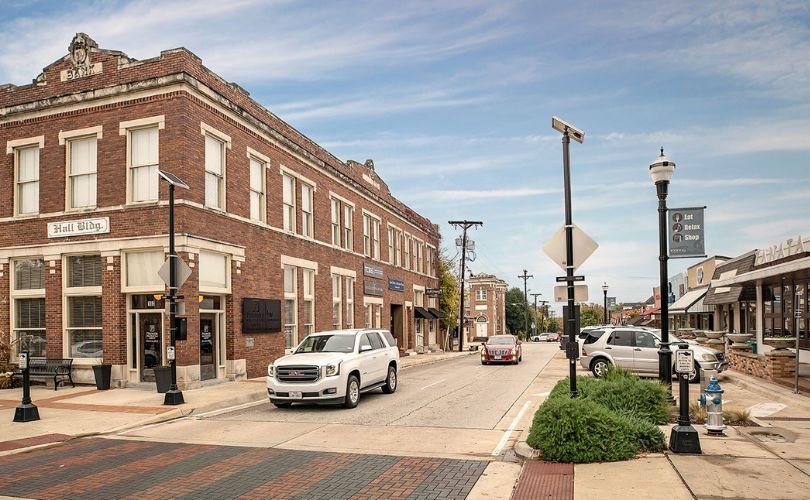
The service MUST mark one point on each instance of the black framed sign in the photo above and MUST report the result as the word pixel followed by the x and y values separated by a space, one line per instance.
pixel 686 233
pixel 261 316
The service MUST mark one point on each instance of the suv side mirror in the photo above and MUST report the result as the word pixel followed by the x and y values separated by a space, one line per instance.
pixel 365 347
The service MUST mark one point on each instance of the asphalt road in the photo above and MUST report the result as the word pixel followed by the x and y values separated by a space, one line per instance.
pixel 459 393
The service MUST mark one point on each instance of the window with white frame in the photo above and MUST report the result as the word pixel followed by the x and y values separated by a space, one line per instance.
pixel 367 235
pixel 348 227
pixel 288 202
pixel 82 172
pixel 375 238
pixel 368 313
pixel 349 302
pixel 420 263
pixel 335 212
pixel 26 180
pixel 419 301
pixel 290 306
pixel 337 305
pixel 309 301
pixel 407 252
pixel 481 294
pixel 398 250
pixel 142 268
pixel 377 315
pixel 306 210
pixel 28 299
pixel 213 271
pixel 390 245
pixel 83 305
pixel 414 253
pixel 257 187
pixel 214 172
pixel 143 164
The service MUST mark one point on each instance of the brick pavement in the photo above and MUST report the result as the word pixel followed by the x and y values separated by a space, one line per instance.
pixel 114 468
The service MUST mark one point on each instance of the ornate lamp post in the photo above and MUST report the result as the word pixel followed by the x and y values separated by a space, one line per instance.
pixel 661 172
pixel 604 291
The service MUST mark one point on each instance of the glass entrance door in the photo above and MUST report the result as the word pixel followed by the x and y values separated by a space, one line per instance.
pixel 208 339
pixel 150 328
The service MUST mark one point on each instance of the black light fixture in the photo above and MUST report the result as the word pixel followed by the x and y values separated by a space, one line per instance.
pixel 604 290
pixel 661 172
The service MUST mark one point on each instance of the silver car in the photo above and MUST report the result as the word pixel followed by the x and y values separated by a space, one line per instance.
pixel 636 349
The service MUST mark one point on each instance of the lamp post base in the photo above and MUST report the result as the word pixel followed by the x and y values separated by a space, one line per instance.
pixel 174 396
pixel 26 413
pixel 684 439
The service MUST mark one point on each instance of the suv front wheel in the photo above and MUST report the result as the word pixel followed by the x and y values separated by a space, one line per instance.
pixel 599 367
pixel 352 392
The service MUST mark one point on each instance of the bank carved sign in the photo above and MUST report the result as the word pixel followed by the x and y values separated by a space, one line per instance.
pixel 80 58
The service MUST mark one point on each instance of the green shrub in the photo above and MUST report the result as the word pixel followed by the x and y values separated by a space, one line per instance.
pixel 563 388
pixel 581 431
pixel 646 435
pixel 615 373
pixel 632 397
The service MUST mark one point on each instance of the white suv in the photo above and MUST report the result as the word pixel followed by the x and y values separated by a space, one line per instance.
pixel 335 367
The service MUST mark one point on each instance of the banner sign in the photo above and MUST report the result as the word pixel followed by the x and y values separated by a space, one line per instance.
pixel 396 285
pixel 611 303
pixel 686 233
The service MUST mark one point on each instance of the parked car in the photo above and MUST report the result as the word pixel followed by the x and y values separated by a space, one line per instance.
pixel 87 349
pixel 335 367
pixel 546 337
pixel 636 349
pixel 501 349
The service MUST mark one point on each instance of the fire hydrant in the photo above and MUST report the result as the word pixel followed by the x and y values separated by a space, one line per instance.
pixel 712 400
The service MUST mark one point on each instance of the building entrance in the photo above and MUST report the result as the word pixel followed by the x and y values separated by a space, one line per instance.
pixel 208 339
pixel 396 324
pixel 150 331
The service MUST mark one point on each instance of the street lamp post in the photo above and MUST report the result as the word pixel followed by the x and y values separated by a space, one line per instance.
pixel 535 295
pixel 174 396
pixel 604 290
pixel 525 277
pixel 661 172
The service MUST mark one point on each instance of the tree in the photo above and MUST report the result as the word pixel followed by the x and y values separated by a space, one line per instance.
pixel 448 296
pixel 591 315
pixel 516 310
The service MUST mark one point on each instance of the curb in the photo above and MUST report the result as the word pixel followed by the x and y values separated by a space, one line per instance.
pixel 432 361
pixel 523 450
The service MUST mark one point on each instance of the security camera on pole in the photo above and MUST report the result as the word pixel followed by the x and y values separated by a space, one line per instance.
pixel 561 249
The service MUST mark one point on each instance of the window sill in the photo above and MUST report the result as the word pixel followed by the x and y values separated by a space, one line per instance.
pixel 148 203
pixel 81 210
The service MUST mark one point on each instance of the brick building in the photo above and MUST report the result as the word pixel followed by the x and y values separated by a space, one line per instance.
pixel 485 306
pixel 270 215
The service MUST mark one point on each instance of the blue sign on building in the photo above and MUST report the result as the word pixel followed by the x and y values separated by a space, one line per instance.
pixel 396 285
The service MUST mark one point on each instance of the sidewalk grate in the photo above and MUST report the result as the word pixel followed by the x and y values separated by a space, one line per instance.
pixel 545 480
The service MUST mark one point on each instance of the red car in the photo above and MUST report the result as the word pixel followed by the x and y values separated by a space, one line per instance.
pixel 501 349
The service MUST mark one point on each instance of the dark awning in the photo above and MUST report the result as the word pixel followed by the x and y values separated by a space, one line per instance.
pixel 421 312
pixel 436 313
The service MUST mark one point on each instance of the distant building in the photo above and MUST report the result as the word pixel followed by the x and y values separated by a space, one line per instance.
pixel 485 306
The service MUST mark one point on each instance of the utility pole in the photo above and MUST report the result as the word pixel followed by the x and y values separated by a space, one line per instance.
pixel 525 277
pixel 464 224
pixel 535 295
pixel 543 308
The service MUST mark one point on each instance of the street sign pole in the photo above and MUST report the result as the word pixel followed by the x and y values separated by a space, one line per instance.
pixel 174 396
pixel 569 268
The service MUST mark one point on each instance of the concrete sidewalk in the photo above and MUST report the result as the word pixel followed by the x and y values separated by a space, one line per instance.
pixel 84 411
pixel 770 461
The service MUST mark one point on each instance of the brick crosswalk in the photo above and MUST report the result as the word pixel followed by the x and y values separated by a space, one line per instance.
pixel 110 468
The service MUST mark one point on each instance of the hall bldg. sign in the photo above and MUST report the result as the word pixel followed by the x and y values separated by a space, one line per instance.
pixel 94 225
pixel 787 248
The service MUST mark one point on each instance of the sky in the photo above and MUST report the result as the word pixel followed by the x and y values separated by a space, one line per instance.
pixel 453 101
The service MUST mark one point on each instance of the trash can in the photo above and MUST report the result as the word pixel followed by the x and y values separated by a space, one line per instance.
pixel 753 345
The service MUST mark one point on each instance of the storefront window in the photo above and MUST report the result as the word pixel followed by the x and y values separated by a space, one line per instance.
pixel 83 291
pixel 211 302
pixel 148 302
pixel 29 325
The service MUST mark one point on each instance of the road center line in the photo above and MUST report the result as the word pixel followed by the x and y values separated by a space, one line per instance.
pixel 508 432
pixel 434 383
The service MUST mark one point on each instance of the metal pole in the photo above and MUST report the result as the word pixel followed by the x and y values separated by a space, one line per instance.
pixel 664 354
pixel 570 319
pixel 606 318
pixel 174 396
pixel 525 304
pixel 796 316
pixel 463 270
pixel 26 411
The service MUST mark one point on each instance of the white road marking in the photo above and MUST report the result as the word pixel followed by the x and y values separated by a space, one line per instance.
pixel 508 432
pixel 766 409
pixel 434 383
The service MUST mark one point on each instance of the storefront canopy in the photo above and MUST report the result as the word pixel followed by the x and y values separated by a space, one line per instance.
pixel 422 313
pixel 691 302
pixel 436 313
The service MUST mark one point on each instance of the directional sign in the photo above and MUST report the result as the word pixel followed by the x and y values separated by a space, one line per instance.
pixel 686 233
pixel 181 271
pixel 580 293
pixel 611 303
pixel 584 246
pixel 563 279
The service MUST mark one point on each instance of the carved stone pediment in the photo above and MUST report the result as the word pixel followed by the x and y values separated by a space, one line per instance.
pixel 80 50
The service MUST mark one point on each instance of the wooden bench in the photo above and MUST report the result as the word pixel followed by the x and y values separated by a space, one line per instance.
pixel 58 369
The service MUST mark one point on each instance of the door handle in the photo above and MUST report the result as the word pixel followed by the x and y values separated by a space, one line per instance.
pixel 637 349
pixel 608 347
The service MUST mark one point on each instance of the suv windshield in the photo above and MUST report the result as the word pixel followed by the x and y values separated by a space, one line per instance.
pixel 500 341
pixel 326 343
